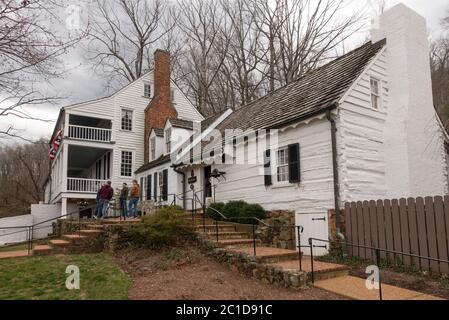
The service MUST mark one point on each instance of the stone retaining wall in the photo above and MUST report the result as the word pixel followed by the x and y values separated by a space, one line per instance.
pixel 252 266
pixel 279 235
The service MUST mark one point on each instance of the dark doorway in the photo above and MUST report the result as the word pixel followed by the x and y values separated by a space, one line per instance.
pixel 207 183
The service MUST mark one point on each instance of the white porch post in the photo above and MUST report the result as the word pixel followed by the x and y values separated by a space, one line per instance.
pixel 66 125
pixel 65 157
pixel 64 207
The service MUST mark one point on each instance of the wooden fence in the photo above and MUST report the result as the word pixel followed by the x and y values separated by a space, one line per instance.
pixel 416 226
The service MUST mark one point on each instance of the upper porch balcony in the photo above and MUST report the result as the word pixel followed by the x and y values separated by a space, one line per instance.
pixel 89 129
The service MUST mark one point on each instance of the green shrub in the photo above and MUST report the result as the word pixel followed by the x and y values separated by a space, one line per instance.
pixel 167 226
pixel 253 210
pixel 214 215
pixel 233 209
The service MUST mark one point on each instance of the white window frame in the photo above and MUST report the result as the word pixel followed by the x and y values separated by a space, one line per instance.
pixel 121 163
pixel 146 94
pixel 153 148
pixel 124 111
pixel 282 163
pixel 168 134
pixel 375 96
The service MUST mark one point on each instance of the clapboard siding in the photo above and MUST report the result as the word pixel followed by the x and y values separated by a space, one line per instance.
pixel 132 98
pixel 315 192
pixel 361 137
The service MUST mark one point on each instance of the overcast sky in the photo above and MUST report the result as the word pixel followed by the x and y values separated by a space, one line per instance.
pixel 81 84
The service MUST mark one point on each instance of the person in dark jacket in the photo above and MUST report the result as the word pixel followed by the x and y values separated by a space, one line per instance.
pixel 123 200
pixel 105 195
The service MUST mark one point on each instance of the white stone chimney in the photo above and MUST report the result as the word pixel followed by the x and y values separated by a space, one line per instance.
pixel 413 139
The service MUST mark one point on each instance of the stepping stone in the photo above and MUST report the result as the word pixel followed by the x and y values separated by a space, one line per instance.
pixel 227 235
pixel 354 288
pixel 42 250
pixel 74 237
pixel 13 254
pixel 271 255
pixel 322 270
pixel 91 232
pixel 59 242
pixel 237 242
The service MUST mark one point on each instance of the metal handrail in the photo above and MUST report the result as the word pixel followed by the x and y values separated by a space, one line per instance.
pixel 377 251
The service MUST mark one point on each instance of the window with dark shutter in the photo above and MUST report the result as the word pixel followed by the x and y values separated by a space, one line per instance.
pixel 149 187
pixel 155 186
pixel 267 168
pixel 165 185
pixel 294 175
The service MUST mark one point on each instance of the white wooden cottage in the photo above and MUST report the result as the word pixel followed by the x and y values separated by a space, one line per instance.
pixel 361 127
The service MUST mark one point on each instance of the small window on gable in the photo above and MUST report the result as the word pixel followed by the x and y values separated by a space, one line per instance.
pixel 375 93
pixel 127 120
pixel 147 90
pixel 153 148
pixel 168 139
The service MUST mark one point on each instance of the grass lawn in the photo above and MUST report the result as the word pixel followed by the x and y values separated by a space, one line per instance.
pixel 18 247
pixel 43 278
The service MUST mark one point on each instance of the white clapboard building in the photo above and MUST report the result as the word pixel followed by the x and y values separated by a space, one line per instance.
pixel 361 127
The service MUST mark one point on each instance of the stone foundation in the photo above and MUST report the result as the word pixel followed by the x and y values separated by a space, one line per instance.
pixel 252 266
pixel 280 235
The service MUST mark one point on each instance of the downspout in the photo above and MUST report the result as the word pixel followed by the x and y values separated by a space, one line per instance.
pixel 183 174
pixel 340 235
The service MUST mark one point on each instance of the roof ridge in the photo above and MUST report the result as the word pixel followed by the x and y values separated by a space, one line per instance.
pixel 379 43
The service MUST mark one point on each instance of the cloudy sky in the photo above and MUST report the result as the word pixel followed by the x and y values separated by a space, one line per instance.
pixel 81 84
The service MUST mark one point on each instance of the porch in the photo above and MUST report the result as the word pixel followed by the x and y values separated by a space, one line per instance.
pixel 89 129
pixel 88 168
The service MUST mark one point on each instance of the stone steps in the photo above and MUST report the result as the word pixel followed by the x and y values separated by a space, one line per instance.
pixel 227 235
pixel 211 228
pixel 74 237
pixel 237 243
pixel 271 255
pixel 42 250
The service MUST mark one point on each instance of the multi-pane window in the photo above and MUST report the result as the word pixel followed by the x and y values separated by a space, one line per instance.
pixel 147 90
pixel 168 139
pixel 282 165
pixel 153 148
pixel 126 166
pixel 127 120
pixel 375 93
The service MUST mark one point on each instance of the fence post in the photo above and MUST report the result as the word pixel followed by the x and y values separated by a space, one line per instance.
pixel 378 267
pixel 311 259
pixel 254 238
pixel 299 247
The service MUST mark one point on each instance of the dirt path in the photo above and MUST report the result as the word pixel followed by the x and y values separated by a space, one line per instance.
pixel 185 274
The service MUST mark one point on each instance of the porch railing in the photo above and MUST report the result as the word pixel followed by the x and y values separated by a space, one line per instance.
pixel 90 133
pixel 84 185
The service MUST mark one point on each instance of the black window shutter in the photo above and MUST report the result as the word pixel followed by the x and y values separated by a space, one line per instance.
pixel 294 170
pixel 165 185
pixel 267 168
pixel 141 188
pixel 155 186
pixel 149 187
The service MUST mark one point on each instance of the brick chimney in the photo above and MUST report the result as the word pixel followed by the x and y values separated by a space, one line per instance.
pixel 160 108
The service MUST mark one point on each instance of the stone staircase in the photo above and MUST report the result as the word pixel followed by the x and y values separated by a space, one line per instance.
pixel 234 240
pixel 72 243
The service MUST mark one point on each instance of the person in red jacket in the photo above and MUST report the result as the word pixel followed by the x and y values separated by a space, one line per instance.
pixel 104 196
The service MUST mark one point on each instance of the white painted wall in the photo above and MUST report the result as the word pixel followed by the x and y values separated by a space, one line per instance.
pixel 413 140
pixel 361 137
pixel 9 236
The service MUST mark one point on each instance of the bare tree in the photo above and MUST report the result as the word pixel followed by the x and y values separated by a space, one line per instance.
pixel 30 49
pixel 203 24
pixel 23 170
pixel 123 36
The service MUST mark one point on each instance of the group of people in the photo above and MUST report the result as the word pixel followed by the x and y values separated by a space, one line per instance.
pixel 129 199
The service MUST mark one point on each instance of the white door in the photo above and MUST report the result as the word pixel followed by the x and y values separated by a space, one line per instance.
pixel 315 226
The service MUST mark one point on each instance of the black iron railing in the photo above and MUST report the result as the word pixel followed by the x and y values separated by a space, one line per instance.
pixel 376 251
